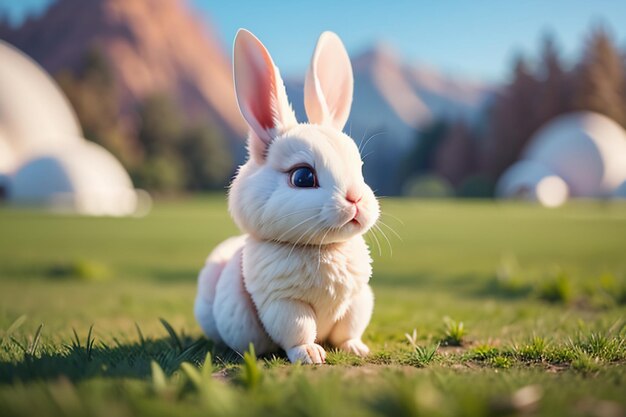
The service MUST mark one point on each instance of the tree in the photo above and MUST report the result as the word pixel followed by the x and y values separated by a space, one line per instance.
pixel 162 173
pixel 160 125
pixel 454 158
pixel 599 79
pixel 472 160
pixel 155 144
pixel 555 96
pixel 159 133
pixel 514 118
pixel 92 93
pixel 176 156
pixel 420 158
pixel 207 160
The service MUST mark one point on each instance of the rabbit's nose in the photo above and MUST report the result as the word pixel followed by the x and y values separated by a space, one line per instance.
pixel 353 195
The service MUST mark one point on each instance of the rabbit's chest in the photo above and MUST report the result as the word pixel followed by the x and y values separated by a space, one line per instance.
pixel 326 278
pixel 332 283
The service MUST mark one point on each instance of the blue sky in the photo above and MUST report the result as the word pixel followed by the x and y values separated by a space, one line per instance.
pixel 473 38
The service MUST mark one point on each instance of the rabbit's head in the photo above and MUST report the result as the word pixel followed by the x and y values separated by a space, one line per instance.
pixel 302 183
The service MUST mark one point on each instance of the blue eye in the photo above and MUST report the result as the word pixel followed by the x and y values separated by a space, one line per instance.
pixel 303 177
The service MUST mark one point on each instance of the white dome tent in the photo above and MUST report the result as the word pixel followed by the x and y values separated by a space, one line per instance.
pixel 530 180
pixel 44 161
pixel 82 178
pixel 34 113
pixel 586 150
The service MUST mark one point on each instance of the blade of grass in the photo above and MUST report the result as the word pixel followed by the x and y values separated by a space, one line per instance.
pixel 142 339
pixel 16 324
pixel 176 343
pixel 159 381
pixel 33 346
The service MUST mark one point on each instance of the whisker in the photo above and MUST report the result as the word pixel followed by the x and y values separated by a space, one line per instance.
pixel 310 238
pixel 386 238
pixel 396 218
pixel 362 137
pixel 370 138
pixel 380 251
pixel 368 154
pixel 292 214
pixel 319 253
pixel 378 197
pixel 293 246
pixel 299 224
pixel 301 236
pixel 391 229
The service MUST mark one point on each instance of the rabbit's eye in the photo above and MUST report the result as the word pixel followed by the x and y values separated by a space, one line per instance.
pixel 303 177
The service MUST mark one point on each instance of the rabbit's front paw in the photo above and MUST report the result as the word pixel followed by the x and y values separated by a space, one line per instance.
pixel 309 353
pixel 356 347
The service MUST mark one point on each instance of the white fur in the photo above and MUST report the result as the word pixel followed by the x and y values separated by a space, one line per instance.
pixel 328 83
pixel 300 275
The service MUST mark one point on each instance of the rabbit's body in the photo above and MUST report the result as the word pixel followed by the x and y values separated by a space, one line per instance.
pixel 239 299
pixel 300 274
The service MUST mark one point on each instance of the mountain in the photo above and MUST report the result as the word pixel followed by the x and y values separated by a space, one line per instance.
pixel 155 46
pixel 159 46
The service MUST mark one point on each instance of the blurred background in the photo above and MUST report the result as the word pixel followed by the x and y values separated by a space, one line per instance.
pixel 471 99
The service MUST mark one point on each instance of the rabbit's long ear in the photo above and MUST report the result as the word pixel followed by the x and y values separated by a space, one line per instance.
pixel 329 83
pixel 260 93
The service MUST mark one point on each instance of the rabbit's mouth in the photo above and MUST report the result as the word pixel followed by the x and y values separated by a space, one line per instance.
pixel 355 222
pixel 354 217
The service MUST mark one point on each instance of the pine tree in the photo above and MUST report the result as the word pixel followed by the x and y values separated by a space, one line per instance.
pixel 599 80
pixel 91 90
pixel 208 163
pixel 454 157
pixel 555 84
pixel 514 118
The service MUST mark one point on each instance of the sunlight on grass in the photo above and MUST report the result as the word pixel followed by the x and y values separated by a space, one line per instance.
pixel 522 316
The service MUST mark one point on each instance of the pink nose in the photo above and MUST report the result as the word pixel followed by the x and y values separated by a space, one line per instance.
pixel 353 196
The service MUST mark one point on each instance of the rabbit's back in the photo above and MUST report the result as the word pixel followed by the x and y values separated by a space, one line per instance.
pixel 223 306
pixel 207 282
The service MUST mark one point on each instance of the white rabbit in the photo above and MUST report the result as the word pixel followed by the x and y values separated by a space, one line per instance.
pixel 300 275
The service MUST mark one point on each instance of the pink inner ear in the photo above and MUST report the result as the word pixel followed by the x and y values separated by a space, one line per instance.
pixel 260 93
pixel 260 103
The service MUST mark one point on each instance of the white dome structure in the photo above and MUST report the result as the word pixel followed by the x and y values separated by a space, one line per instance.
pixel 579 154
pixel 44 159
pixel 586 149
pixel 533 181
pixel 82 178
pixel 34 113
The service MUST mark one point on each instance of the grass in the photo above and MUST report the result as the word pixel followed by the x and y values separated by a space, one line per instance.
pixel 453 333
pixel 516 310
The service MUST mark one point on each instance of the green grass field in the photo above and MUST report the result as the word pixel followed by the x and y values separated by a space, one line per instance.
pixel 516 310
